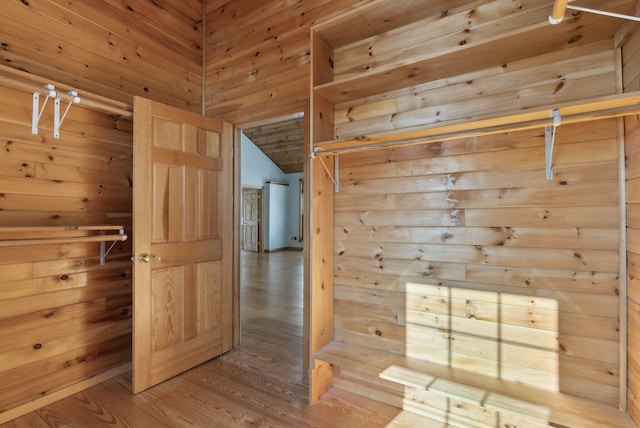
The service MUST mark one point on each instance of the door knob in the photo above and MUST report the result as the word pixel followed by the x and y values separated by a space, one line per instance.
pixel 146 258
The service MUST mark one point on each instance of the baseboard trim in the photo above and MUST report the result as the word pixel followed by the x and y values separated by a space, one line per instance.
pixel 283 249
pixel 29 407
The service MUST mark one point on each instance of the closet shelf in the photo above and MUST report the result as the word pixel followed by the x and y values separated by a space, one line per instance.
pixel 39 235
pixel 574 112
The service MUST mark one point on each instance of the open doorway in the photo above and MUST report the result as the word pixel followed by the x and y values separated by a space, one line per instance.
pixel 271 257
pixel 251 220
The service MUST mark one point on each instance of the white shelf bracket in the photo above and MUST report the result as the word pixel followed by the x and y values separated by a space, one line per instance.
pixel 549 142
pixel 103 247
pixel 335 176
pixel 57 120
pixel 37 110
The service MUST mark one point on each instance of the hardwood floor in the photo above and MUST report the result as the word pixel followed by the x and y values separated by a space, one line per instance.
pixel 260 384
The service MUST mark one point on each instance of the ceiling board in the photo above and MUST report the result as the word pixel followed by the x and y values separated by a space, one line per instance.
pixel 282 142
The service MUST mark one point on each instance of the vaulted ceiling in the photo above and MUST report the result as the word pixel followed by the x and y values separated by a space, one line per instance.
pixel 282 142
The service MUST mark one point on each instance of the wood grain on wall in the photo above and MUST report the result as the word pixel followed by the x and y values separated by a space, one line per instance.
pixel 257 63
pixel 109 47
pixel 63 317
pixel 631 79
pixel 479 214
pixel 559 77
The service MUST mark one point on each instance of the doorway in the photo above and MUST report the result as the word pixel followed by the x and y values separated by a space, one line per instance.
pixel 271 276
pixel 251 220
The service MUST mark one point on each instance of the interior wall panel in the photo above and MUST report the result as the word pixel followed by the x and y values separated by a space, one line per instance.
pixel 257 63
pixel 409 238
pixel 631 73
pixel 111 48
pixel 64 317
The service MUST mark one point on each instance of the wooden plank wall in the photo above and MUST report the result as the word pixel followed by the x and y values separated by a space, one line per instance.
pixel 109 47
pixel 562 76
pixel 63 317
pixel 631 82
pixel 257 62
pixel 479 213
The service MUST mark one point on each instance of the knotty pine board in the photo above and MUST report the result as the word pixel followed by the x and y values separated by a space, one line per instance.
pixel 551 78
pixel 110 48
pixel 264 72
pixel 65 317
pixel 525 76
pixel 630 73
pixel 275 356
pixel 119 271
pixel 591 238
pixel 631 64
pixel 423 38
pixel 596 173
pixel 525 158
pixel 545 258
pixel 633 215
pixel 465 207
pixel 273 21
pixel 589 131
pixel 61 370
pixel 274 98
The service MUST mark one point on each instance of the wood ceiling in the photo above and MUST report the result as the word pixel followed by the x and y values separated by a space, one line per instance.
pixel 282 142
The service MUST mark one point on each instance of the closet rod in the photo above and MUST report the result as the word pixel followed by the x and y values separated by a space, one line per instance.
pixel 60 228
pixel 63 240
pixel 586 110
pixel 27 82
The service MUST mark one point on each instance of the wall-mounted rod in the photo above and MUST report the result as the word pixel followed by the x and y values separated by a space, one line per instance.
pixel 561 6
pixel 583 111
pixel 559 9
pixel 26 82
pixel 604 12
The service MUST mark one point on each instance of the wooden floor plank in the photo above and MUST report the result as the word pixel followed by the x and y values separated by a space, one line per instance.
pixel 412 420
pixel 260 384
pixel 566 410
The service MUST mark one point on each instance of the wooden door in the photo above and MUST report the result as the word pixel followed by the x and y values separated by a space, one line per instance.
pixel 183 241
pixel 250 219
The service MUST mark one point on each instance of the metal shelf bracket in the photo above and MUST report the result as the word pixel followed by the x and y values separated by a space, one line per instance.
pixel 335 177
pixel 37 110
pixel 57 120
pixel 103 247
pixel 549 141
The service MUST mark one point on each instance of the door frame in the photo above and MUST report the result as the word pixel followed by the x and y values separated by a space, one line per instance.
pixel 237 156
pixel 237 225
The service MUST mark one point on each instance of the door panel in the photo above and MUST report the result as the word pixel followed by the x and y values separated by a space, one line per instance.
pixel 250 213
pixel 183 241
